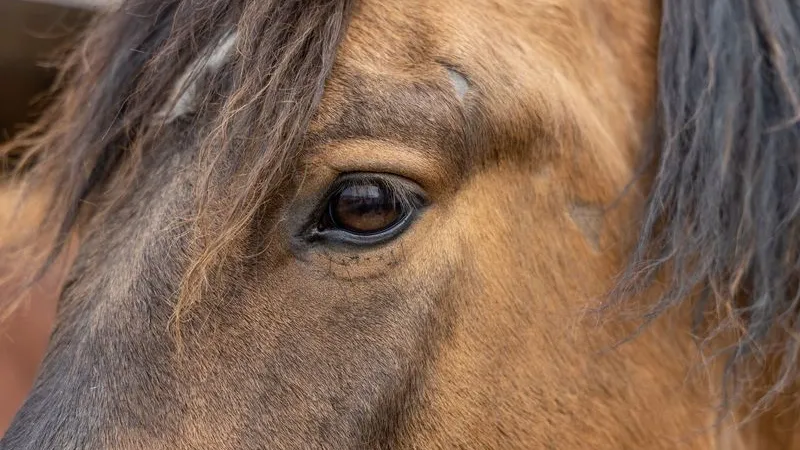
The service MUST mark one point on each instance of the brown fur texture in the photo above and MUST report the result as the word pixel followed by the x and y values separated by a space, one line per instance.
pixel 472 329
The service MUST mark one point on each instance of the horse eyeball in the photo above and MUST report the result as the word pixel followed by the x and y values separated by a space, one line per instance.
pixel 365 209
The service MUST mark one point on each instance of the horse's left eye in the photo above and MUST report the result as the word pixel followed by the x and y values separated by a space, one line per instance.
pixel 368 210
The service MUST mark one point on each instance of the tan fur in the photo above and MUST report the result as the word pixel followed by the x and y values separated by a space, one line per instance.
pixel 539 374
pixel 536 375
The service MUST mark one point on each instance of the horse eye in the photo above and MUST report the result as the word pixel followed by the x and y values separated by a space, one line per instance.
pixel 365 209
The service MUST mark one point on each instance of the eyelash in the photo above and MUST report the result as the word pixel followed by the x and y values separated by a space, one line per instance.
pixel 396 190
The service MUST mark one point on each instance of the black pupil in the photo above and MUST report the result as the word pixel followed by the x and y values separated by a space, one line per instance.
pixel 365 208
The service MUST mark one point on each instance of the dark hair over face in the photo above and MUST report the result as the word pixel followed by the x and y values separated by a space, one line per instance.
pixel 115 86
pixel 723 214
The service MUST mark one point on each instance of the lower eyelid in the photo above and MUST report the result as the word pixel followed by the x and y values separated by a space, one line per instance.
pixel 338 236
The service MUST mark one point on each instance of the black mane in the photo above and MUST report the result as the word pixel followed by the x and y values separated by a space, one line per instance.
pixel 723 215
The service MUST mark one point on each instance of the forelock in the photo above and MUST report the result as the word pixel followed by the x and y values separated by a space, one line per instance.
pixel 136 70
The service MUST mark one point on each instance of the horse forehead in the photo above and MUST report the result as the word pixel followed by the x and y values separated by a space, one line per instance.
pixel 413 41
pixel 495 41
pixel 396 32
pixel 574 61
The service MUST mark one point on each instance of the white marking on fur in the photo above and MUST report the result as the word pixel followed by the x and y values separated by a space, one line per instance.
pixel 183 98
pixel 460 83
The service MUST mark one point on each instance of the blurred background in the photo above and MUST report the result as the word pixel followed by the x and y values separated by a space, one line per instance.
pixel 30 33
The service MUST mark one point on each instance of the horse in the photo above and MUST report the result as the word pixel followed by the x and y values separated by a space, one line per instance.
pixel 335 224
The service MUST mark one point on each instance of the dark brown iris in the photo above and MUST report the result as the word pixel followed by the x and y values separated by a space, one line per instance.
pixel 365 208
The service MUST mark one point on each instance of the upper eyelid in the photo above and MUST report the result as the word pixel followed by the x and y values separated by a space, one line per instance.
pixel 397 188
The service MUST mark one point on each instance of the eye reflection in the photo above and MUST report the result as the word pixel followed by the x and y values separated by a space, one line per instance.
pixel 366 208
